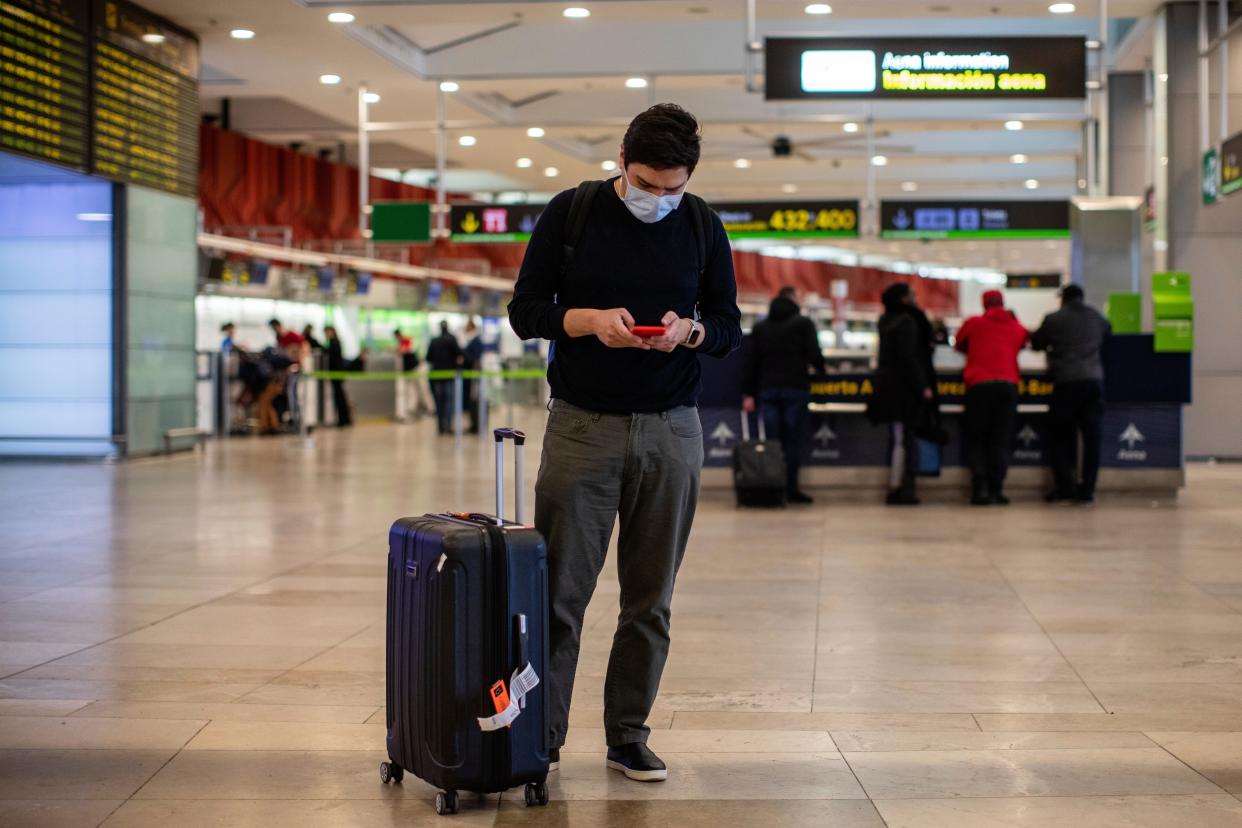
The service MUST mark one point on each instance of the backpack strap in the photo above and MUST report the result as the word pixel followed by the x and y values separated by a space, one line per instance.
pixel 575 222
pixel 701 220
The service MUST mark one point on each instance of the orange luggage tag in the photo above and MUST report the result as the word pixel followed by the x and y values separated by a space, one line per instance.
pixel 500 697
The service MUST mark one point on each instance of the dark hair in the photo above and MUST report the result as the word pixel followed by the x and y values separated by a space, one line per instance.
pixel 273 322
pixel 664 137
pixel 1071 293
pixel 787 292
pixel 327 328
pixel 226 326
pixel 894 296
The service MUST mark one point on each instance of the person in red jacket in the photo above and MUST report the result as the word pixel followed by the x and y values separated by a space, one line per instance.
pixel 991 343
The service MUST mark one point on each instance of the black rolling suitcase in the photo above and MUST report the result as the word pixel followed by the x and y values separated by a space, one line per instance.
pixel 758 468
pixel 467 642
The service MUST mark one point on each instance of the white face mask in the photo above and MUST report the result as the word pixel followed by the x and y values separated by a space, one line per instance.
pixel 648 207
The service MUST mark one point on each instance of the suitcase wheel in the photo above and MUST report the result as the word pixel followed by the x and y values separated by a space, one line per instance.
pixel 536 793
pixel 446 803
pixel 391 772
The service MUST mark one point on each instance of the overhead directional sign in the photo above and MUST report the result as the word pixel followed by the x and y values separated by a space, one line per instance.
pixel 788 219
pixel 401 221
pixel 974 219
pixel 1032 281
pixel 1231 165
pixel 969 68
pixel 493 222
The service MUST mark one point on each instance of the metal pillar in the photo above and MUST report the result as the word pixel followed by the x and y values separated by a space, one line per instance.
pixel 1102 172
pixel 458 416
pixel 1205 129
pixel 440 228
pixel 364 166
pixel 871 208
pixel 1222 54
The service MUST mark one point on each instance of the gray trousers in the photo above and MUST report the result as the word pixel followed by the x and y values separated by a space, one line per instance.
pixel 644 469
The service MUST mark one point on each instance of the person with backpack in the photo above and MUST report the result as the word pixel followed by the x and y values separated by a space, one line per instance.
pixel 624 440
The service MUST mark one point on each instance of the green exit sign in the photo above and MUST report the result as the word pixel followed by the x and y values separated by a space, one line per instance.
pixel 401 221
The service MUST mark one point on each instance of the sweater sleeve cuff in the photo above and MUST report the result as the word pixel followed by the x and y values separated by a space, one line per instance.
pixel 556 322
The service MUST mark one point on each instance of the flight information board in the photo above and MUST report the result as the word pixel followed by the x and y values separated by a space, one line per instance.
pixel 974 219
pixel 145 88
pixel 44 66
pixel 788 219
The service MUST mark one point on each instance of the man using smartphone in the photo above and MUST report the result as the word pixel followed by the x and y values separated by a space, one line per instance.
pixel 624 442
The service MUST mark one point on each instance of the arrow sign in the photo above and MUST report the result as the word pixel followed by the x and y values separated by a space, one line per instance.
pixel 1131 436
pixel 902 220
pixel 825 434
pixel 723 433
pixel 1027 436
pixel 470 223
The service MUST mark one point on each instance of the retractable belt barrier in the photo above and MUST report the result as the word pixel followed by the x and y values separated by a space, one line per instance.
pixel 389 376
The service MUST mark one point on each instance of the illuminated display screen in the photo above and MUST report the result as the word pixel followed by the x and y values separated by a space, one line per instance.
pixel 145 129
pixel 493 222
pixel 974 219
pixel 923 67
pixel 1231 165
pixel 788 219
pixel 44 101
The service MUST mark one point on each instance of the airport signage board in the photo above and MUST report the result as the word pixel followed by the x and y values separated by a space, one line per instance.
pixel 1032 281
pixel 401 221
pixel 44 78
pixel 1211 176
pixel 974 219
pixel 788 219
pixel 964 68
pixel 1231 165
pixel 493 222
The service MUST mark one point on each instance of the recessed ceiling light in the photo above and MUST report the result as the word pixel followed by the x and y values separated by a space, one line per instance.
pixel 742 163
pixel 371 97
pixel 1032 184
pixel 1017 158
pixel 879 160
pixel 636 83
pixel 551 172
pixel 1062 8
pixel 152 37
pixel 789 188
pixel 576 12
pixel 909 186
pixel 818 8
pixel 1014 126
pixel 94 217
pixel 535 132
pixel 449 86
pixel 608 166
pixel 850 126
pixel 242 34
pixel 523 163
pixel 340 17
pixel 328 80
pixel 467 140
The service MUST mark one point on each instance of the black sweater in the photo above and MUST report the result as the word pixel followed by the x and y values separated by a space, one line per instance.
pixel 649 269
pixel 784 346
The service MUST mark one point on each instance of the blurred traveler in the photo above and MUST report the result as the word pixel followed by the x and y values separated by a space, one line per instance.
pixel 405 351
pixel 904 388
pixel 285 338
pixel 226 344
pixel 337 362
pixel 991 343
pixel 294 346
pixel 784 347
pixel 624 436
pixel 1073 337
pixel 472 360
pixel 308 334
pixel 274 365
pixel 444 354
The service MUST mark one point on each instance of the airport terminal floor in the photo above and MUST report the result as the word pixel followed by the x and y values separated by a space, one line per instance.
pixel 199 641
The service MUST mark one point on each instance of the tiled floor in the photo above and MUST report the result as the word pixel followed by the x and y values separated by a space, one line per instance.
pixel 198 641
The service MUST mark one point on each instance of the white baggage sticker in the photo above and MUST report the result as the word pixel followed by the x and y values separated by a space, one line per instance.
pixel 520 683
pixel 440 563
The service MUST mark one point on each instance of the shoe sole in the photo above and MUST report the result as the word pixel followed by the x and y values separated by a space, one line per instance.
pixel 639 776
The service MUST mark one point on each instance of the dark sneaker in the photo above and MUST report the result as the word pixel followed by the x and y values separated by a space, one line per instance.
pixel 899 498
pixel 554 760
pixel 999 499
pixel 1055 496
pixel 980 499
pixel 801 497
pixel 637 762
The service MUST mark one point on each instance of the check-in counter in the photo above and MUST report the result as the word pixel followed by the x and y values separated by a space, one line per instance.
pixel 1141 438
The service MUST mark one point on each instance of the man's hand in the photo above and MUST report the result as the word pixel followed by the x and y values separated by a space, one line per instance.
pixel 611 327
pixel 676 330
pixel 748 404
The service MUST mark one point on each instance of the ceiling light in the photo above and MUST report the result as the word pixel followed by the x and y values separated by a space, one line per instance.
pixel 371 97
pixel 1014 126
pixel 524 162
pixel 636 83
pixel 94 217
pixel 1032 184
pixel 1062 8
pixel 789 188
pixel 449 86
pixel 551 172
pixel 1082 183
pixel 152 37
pixel 909 186
pixel 576 12
pixel 850 127
pixel 1164 77
pixel 879 161
pixel 467 140
pixel 535 132
pixel 340 17
pixel 1017 158
pixel 742 163
pixel 242 34
pixel 608 166
pixel 818 8
pixel 329 79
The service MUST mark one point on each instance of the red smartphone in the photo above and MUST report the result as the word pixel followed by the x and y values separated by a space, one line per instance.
pixel 647 330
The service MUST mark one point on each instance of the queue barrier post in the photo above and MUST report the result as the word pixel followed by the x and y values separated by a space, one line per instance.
pixel 457 405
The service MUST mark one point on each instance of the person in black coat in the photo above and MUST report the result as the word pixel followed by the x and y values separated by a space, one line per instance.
pixel 337 362
pixel 444 354
pixel 904 387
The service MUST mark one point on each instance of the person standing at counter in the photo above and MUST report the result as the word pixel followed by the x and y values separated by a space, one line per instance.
pixel 337 362
pixel 624 442
pixel 991 343
pixel 444 354
pixel 784 347
pixel 904 389
pixel 1073 337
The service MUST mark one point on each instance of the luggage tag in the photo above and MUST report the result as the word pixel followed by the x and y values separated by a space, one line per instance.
pixel 520 684
pixel 500 698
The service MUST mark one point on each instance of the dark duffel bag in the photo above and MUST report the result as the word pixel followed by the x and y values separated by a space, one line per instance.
pixel 758 468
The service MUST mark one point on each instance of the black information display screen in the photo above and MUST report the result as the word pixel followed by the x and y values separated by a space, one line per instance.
pixel 493 222
pixel 146 99
pixel 965 68
pixel 788 219
pixel 1022 281
pixel 1231 165
pixel 44 68
pixel 974 219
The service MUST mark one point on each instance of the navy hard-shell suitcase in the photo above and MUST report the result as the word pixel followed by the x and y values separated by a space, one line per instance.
pixel 467 609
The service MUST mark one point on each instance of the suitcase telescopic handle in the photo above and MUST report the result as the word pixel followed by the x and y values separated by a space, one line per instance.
pixel 519 483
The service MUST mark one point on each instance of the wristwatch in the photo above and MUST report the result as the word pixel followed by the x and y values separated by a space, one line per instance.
pixel 696 330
